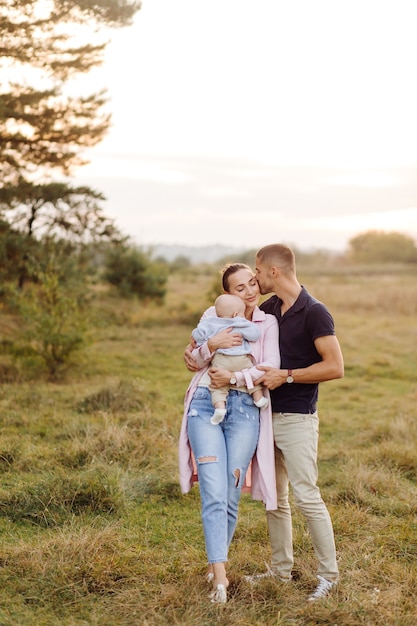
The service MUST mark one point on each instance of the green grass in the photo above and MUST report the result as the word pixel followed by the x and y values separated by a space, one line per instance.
pixel 94 530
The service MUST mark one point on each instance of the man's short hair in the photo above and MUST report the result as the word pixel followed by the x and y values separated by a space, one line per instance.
pixel 279 255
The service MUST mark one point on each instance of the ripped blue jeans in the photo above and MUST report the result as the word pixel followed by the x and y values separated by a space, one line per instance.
pixel 222 453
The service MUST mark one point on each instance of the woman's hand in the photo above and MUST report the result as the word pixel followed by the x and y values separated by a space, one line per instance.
pixel 227 338
pixel 219 377
pixel 190 362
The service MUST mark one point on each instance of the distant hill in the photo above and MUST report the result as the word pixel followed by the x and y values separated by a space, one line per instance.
pixel 201 254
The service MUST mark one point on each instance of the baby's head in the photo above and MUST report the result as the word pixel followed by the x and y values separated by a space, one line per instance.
pixel 229 306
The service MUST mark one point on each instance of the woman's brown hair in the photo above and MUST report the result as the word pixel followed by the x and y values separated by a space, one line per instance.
pixel 232 268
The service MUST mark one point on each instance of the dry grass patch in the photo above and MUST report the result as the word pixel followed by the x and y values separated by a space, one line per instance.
pixel 72 563
pixel 52 498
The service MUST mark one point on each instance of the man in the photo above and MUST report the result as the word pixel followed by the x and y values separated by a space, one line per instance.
pixel 310 354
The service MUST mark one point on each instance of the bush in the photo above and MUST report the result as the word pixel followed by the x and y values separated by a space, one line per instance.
pixel 133 273
pixel 54 313
pixel 381 247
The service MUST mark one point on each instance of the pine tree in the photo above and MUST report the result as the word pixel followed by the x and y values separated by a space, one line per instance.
pixel 44 131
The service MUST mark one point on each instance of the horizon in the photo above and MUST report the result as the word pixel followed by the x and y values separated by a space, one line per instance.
pixel 200 201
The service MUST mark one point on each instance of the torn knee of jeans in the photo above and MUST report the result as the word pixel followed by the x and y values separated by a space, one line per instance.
pixel 206 459
pixel 236 474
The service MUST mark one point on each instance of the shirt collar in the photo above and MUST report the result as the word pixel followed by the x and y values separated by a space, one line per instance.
pixel 258 315
pixel 299 304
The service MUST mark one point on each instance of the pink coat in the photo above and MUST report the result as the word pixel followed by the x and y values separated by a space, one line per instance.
pixel 265 351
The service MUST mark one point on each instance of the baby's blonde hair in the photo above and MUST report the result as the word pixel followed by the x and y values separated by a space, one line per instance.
pixel 228 305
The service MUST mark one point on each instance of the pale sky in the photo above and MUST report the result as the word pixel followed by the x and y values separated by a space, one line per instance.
pixel 244 123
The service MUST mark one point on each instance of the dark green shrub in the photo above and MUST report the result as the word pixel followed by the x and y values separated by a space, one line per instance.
pixel 55 318
pixel 132 272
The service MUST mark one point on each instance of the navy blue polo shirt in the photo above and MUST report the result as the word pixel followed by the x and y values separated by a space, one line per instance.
pixel 304 322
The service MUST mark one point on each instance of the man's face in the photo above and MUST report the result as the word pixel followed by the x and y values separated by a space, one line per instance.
pixel 262 276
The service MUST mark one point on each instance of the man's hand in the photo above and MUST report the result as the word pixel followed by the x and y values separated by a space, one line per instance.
pixel 272 378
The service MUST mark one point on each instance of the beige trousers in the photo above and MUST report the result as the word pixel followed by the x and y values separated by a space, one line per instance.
pixel 233 363
pixel 296 442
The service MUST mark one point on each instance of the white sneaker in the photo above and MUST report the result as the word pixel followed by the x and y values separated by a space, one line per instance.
pixel 255 578
pixel 323 589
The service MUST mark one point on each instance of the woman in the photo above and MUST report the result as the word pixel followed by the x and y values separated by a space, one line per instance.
pixel 223 452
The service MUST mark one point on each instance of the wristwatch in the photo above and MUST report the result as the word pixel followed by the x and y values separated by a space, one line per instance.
pixel 290 378
pixel 233 380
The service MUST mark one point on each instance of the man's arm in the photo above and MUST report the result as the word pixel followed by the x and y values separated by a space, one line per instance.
pixel 330 367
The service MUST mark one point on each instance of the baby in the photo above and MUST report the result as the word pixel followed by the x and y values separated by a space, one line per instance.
pixel 230 311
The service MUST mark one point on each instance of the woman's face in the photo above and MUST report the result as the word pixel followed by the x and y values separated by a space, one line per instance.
pixel 244 284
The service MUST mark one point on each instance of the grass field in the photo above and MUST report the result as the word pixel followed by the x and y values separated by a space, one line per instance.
pixel 94 530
